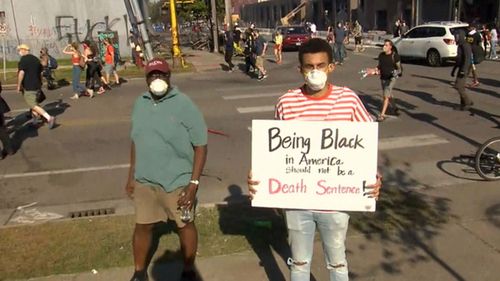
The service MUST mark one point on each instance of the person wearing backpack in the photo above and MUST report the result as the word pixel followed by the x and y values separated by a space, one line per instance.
pixel 474 39
pixel 49 63
pixel 389 68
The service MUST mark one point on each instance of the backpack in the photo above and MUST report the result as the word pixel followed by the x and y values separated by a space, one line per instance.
pixel 52 63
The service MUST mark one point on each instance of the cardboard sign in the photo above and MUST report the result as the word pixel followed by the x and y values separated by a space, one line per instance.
pixel 315 165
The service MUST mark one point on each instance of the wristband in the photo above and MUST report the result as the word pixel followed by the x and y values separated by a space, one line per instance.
pixel 195 182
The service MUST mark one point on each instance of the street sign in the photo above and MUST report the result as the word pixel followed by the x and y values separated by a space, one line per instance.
pixel 166 4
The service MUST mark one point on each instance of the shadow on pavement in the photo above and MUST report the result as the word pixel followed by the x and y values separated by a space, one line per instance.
pixel 24 129
pixel 405 218
pixel 263 228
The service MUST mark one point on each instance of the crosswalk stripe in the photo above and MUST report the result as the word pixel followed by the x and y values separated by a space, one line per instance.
pixel 410 141
pixel 251 96
pixel 255 109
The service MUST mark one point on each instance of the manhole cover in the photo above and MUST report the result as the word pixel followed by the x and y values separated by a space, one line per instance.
pixel 91 213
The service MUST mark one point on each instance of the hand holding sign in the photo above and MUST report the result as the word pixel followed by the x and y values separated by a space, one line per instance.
pixel 251 185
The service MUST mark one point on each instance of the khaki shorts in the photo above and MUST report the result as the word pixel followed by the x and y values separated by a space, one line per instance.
pixel 153 204
pixel 387 86
pixel 30 98
pixel 259 61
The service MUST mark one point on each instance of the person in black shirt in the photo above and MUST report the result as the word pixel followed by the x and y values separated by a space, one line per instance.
pixel 4 134
pixel 462 64
pixel 29 82
pixel 389 68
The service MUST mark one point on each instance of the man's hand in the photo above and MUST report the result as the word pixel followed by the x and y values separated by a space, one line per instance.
pixel 372 71
pixel 188 196
pixel 129 189
pixel 251 185
pixel 375 187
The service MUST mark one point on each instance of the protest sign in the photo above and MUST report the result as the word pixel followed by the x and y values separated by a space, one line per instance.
pixel 317 165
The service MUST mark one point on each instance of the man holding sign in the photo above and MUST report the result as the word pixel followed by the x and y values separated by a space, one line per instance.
pixel 316 100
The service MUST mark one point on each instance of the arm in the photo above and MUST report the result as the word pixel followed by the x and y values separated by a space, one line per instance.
pixel 20 77
pixel 66 51
pixel 129 188
pixel 200 157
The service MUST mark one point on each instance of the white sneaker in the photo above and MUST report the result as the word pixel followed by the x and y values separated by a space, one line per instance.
pixel 51 122
pixel 75 97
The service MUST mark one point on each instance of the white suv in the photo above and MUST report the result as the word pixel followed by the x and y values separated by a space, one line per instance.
pixel 433 41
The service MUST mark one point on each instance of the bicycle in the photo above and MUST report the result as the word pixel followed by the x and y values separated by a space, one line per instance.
pixel 487 159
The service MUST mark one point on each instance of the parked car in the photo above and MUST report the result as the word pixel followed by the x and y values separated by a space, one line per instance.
pixel 293 36
pixel 433 41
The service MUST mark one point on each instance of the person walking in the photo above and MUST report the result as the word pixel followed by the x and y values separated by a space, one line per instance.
pixel 7 148
pixel 494 42
pixel 462 64
pixel 403 28
pixel 260 52
pixel 318 100
pixel 249 51
pixel 278 46
pixel 49 64
pixel 474 39
pixel 340 34
pixel 78 62
pixel 29 84
pixel 389 68
pixel 357 32
pixel 229 49
pixel 168 153
pixel 110 63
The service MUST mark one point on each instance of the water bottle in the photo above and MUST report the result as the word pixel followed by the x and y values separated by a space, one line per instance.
pixel 186 215
pixel 363 73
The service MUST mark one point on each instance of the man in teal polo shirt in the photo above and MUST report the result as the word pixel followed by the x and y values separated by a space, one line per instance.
pixel 169 149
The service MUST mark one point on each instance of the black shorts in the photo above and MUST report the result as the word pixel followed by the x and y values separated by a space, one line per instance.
pixel 357 40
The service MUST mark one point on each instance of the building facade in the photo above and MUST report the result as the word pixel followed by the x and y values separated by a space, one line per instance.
pixel 55 23
pixel 373 14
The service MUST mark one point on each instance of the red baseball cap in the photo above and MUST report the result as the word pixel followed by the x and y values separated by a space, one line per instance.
pixel 157 64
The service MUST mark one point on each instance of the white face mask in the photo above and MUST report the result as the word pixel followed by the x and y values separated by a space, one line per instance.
pixel 158 87
pixel 316 79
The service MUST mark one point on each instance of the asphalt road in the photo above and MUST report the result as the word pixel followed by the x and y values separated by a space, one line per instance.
pixel 85 158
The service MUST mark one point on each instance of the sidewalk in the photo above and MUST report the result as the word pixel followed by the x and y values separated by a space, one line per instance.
pixel 465 247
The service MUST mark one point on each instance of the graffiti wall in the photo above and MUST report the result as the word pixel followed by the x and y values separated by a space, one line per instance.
pixel 55 23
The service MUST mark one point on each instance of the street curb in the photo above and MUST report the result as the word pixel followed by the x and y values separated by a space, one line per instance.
pixel 122 207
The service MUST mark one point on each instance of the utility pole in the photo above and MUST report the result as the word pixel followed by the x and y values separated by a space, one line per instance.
pixel 227 4
pixel 177 58
pixel 215 29
pixel 136 18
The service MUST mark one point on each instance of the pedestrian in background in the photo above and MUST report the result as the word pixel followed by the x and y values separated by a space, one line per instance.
pixel 4 134
pixel 474 39
pixel 357 32
pixel 48 65
pixel 229 48
pixel 340 35
pixel 260 52
pixel 403 28
pixel 462 64
pixel 494 42
pixel 249 51
pixel 168 153
pixel 318 100
pixel 29 84
pixel 278 46
pixel 78 62
pixel 389 68
pixel 110 63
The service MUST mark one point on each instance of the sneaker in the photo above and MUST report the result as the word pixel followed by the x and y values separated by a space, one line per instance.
pixel 75 97
pixel 474 84
pixel 51 122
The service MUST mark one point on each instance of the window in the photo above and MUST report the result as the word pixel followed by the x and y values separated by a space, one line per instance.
pixel 436 32
pixel 418 32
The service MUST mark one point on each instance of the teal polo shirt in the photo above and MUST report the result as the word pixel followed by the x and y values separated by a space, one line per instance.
pixel 164 133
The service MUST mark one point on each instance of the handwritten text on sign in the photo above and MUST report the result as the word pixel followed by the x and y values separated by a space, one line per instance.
pixel 314 165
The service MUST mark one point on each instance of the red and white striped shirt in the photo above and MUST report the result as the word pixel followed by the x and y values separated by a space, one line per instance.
pixel 338 104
